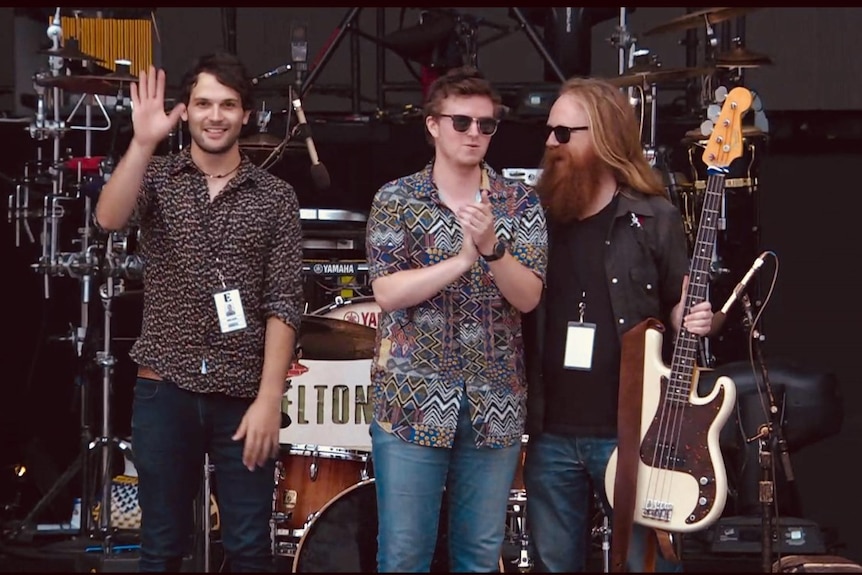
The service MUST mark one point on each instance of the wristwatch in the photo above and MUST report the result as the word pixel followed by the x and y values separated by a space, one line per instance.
pixel 499 252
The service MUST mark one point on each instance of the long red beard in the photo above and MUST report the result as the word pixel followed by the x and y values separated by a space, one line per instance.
pixel 569 183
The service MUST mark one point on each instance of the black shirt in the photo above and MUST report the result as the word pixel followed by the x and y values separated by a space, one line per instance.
pixel 581 402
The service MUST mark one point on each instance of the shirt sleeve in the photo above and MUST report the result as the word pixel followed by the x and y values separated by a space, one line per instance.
pixel 385 241
pixel 673 254
pixel 530 246
pixel 283 295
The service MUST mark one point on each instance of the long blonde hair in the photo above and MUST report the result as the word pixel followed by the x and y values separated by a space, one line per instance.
pixel 615 133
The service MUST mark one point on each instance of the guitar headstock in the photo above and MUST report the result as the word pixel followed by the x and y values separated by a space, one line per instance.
pixel 725 142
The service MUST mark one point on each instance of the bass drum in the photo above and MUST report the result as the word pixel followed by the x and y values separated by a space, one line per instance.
pixel 362 310
pixel 342 537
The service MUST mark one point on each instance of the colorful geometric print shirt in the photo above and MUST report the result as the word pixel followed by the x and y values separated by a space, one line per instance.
pixel 467 337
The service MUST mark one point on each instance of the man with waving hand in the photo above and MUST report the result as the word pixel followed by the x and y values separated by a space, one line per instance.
pixel 221 243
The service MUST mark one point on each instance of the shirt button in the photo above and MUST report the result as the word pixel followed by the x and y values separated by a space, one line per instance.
pixel 622 320
pixel 614 280
pixel 649 286
pixel 607 242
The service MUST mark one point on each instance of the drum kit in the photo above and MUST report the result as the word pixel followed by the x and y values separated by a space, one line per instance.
pixel 324 479
pixel 59 190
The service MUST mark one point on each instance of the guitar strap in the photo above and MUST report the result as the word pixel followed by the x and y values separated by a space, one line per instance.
pixel 629 409
pixel 632 351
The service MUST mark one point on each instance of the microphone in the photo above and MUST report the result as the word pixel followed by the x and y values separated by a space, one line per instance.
pixel 740 287
pixel 319 174
pixel 274 72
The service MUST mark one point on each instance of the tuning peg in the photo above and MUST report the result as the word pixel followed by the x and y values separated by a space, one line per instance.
pixel 706 127
pixel 713 112
pixel 720 94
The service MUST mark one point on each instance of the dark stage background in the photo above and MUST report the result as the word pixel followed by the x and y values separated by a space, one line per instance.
pixel 804 209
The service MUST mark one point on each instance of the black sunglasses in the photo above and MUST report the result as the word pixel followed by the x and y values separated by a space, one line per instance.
pixel 563 133
pixel 461 123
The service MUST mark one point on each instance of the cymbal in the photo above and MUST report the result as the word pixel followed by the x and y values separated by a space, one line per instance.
pixel 70 52
pixel 106 85
pixel 696 19
pixel 656 75
pixel 740 57
pixel 261 140
pixel 327 338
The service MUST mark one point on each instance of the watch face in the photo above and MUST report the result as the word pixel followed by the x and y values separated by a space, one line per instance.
pixel 500 248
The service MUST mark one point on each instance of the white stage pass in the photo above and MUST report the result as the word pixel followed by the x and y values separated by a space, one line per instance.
pixel 231 316
pixel 580 338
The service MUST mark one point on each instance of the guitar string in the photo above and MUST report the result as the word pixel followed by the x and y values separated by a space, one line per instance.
pixel 688 342
pixel 677 397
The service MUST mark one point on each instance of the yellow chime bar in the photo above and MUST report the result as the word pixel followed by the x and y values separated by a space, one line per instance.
pixel 112 39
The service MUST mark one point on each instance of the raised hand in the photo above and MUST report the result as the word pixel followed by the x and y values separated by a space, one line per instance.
pixel 477 221
pixel 151 123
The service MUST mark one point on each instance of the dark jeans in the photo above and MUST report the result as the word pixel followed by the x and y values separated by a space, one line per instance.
pixel 172 429
pixel 560 474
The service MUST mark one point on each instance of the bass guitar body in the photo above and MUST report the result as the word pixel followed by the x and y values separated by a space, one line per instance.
pixel 681 477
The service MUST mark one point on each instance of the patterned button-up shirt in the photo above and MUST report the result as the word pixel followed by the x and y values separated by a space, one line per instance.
pixel 250 236
pixel 467 338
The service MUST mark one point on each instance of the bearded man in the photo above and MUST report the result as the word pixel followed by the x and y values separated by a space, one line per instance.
pixel 617 256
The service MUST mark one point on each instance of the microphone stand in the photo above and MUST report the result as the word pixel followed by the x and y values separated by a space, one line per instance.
pixel 769 435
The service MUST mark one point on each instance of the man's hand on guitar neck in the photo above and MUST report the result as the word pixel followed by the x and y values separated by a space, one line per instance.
pixel 699 318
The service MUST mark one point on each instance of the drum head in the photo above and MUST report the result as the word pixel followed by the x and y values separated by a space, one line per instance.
pixel 342 538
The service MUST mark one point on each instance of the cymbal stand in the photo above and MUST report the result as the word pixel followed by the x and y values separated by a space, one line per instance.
pixel 623 41
pixel 626 45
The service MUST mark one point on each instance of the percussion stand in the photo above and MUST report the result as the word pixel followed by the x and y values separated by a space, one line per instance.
pixel 43 129
pixel 84 265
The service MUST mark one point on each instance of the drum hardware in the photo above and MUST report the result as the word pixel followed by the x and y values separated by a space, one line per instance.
pixel 205 512
pixel 657 75
pixel 623 41
pixel 70 51
pixel 643 81
pixel 83 265
pixel 19 208
pixel 263 144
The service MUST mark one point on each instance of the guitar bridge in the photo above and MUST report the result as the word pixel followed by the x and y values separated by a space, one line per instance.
pixel 658 510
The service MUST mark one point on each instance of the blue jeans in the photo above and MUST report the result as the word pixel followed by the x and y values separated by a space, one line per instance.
pixel 172 429
pixel 410 480
pixel 560 473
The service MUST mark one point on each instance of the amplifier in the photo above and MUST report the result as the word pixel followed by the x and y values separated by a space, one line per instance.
pixel 743 534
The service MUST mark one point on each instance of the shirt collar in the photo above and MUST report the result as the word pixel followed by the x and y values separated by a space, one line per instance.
pixel 429 187
pixel 183 162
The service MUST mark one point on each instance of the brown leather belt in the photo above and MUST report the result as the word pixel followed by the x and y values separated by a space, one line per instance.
pixel 145 372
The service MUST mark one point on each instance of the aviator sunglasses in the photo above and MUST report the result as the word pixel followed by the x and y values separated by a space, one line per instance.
pixel 461 123
pixel 563 133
